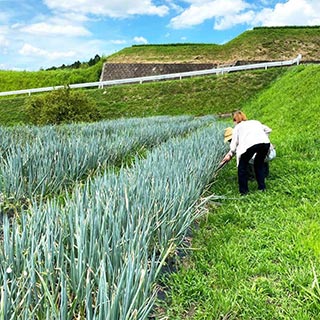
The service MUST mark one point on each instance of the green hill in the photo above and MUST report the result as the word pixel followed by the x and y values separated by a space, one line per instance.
pixel 194 96
pixel 203 95
pixel 291 106
pixel 18 80
pixel 259 44
pixel 258 257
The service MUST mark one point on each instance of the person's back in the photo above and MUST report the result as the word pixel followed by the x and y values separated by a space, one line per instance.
pixel 248 133
pixel 251 132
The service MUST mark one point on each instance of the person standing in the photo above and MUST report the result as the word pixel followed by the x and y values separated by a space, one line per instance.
pixel 249 137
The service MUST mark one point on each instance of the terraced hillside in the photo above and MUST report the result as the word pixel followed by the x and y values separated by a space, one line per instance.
pixel 192 96
pixel 259 44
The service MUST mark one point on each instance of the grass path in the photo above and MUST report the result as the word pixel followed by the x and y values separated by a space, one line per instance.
pixel 255 257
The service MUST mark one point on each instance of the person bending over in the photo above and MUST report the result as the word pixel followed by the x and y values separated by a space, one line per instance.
pixel 249 137
pixel 270 156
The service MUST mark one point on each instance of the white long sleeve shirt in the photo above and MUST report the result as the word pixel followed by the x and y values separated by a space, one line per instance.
pixel 247 134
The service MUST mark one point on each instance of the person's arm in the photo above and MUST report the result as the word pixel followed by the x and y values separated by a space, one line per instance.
pixel 233 146
pixel 234 143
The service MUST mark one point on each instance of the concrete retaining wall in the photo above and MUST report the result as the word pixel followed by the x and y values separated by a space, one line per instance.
pixel 113 71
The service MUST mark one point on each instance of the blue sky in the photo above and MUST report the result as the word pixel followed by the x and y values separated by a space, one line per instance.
pixel 38 34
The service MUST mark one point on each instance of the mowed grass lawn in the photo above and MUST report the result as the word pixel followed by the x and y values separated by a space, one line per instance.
pixel 257 257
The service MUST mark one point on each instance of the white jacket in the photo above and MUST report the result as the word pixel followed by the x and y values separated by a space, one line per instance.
pixel 247 134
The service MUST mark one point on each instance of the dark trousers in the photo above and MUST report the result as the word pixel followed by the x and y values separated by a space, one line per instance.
pixel 261 151
pixel 252 176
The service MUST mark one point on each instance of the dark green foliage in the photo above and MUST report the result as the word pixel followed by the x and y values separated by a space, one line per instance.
pixel 287 27
pixel 171 44
pixel 61 106
pixel 94 60
pixel 77 64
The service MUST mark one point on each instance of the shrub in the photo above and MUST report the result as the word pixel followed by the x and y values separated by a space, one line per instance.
pixel 61 106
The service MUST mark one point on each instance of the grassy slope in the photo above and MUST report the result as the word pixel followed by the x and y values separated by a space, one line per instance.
pixel 257 44
pixel 18 80
pixel 258 257
pixel 12 111
pixel 195 96
pixel 254 45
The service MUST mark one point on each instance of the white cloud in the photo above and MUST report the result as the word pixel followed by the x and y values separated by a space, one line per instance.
pixel 72 16
pixel 229 21
pixel 228 13
pixel 4 42
pixel 118 41
pixel 293 12
pixel 32 36
pixel 174 6
pixel 4 30
pixel 116 9
pixel 44 28
pixel 29 50
pixel 140 40
pixel 200 10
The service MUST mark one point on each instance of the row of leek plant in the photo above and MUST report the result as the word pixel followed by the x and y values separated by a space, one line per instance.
pixel 23 134
pixel 98 255
pixel 42 161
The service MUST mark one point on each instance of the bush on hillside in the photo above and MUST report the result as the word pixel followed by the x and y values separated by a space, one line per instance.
pixel 61 106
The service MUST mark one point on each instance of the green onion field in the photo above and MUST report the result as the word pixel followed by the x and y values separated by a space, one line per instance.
pixel 130 218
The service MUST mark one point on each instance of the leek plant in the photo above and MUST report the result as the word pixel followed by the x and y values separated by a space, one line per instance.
pixel 98 255
pixel 43 161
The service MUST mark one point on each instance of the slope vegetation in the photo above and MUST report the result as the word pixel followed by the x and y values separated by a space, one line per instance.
pixel 193 96
pixel 259 44
pixel 18 80
pixel 258 257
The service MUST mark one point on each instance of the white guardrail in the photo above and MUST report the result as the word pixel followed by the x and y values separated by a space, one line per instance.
pixel 101 84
